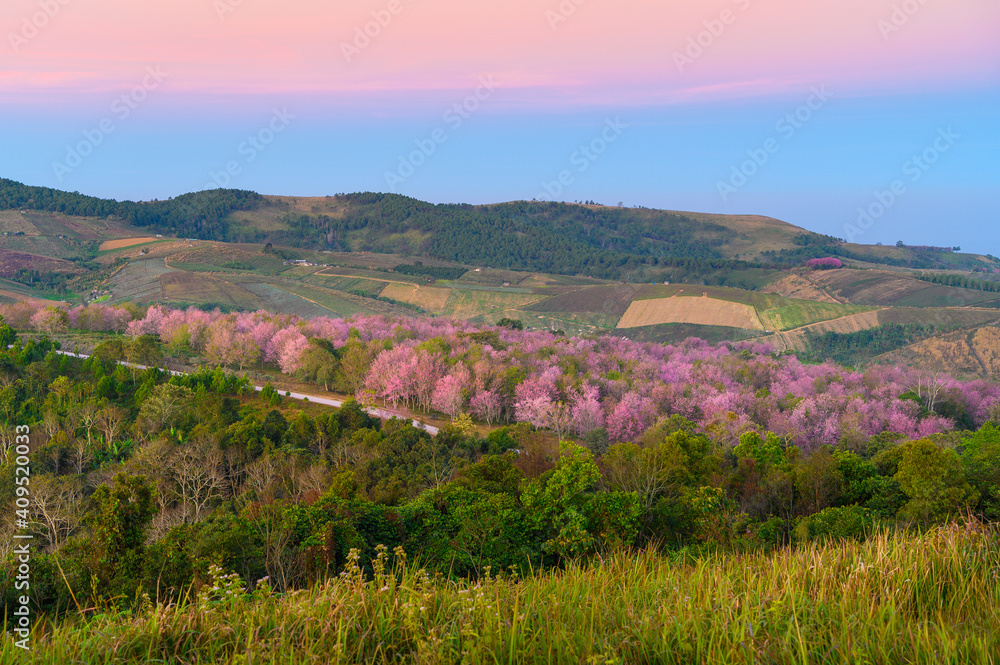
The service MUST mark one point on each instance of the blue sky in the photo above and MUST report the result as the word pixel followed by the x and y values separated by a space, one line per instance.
pixel 199 86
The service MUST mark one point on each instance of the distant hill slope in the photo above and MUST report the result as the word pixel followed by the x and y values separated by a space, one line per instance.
pixel 629 244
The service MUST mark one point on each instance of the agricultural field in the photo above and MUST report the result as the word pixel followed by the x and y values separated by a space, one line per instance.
pixel 12 292
pixel 610 300
pixel 889 289
pixel 220 257
pixel 13 221
pixel 209 289
pixel 467 303
pixel 306 306
pixel 804 312
pixel 800 287
pixel 427 298
pixel 798 339
pixel 695 291
pixel 125 242
pixel 11 262
pixel 699 311
pixel 139 281
pixel 337 304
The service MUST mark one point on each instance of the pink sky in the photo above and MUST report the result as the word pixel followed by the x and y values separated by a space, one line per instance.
pixel 604 52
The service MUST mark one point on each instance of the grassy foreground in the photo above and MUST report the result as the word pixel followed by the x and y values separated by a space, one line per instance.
pixel 931 598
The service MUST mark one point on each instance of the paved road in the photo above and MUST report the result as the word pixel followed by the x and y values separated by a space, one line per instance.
pixel 374 411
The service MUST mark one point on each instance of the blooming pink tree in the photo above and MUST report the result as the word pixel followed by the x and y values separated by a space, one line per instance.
pixel 49 320
pixel 586 411
pixel 630 418
pixel 449 395
pixel 286 348
pixel 486 405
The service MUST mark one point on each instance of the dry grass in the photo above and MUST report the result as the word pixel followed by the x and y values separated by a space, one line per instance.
pixel 124 242
pixel 429 298
pixel 797 286
pixel 703 311
pixel 898 598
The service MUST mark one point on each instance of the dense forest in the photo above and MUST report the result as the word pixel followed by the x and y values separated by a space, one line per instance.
pixel 198 215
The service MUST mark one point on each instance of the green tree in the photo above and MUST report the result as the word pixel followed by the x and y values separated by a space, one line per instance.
pixel 981 459
pixel 934 481
pixel 555 502
pixel 819 480
pixel 319 363
pixel 118 523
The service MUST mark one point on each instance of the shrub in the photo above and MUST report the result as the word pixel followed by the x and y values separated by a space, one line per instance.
pixel 847 523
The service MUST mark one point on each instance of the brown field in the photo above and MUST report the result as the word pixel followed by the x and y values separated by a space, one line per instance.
pixel 704 311
pixel 124 242
pixel 192 287
pixel 882 288
pixel 608 300
pixel 801 287
pixel 11 262
pixel 939 316
pixel 429 298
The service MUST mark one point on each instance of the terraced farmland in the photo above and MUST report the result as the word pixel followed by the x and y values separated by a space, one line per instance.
pixel 884 289
pixel 465 303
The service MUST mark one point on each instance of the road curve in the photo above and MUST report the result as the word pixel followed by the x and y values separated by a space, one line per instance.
pixel 383 414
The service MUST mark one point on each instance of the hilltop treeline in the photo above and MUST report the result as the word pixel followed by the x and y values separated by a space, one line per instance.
pixel 962 281
pixel 197 215
pixel 529 236
pixel 633 244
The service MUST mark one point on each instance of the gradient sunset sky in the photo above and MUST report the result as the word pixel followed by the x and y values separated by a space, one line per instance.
pixel 804 110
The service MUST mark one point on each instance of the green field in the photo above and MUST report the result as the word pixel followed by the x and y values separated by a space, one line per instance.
pixel 804 312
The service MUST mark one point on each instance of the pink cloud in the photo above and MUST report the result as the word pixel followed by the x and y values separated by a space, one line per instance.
pixel 621 52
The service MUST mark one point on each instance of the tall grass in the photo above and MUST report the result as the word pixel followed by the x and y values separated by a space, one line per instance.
pixel 896 598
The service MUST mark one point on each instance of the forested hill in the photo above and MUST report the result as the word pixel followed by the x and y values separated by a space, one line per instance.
pixel 532 236
pixel 633 244
pixel 198 215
